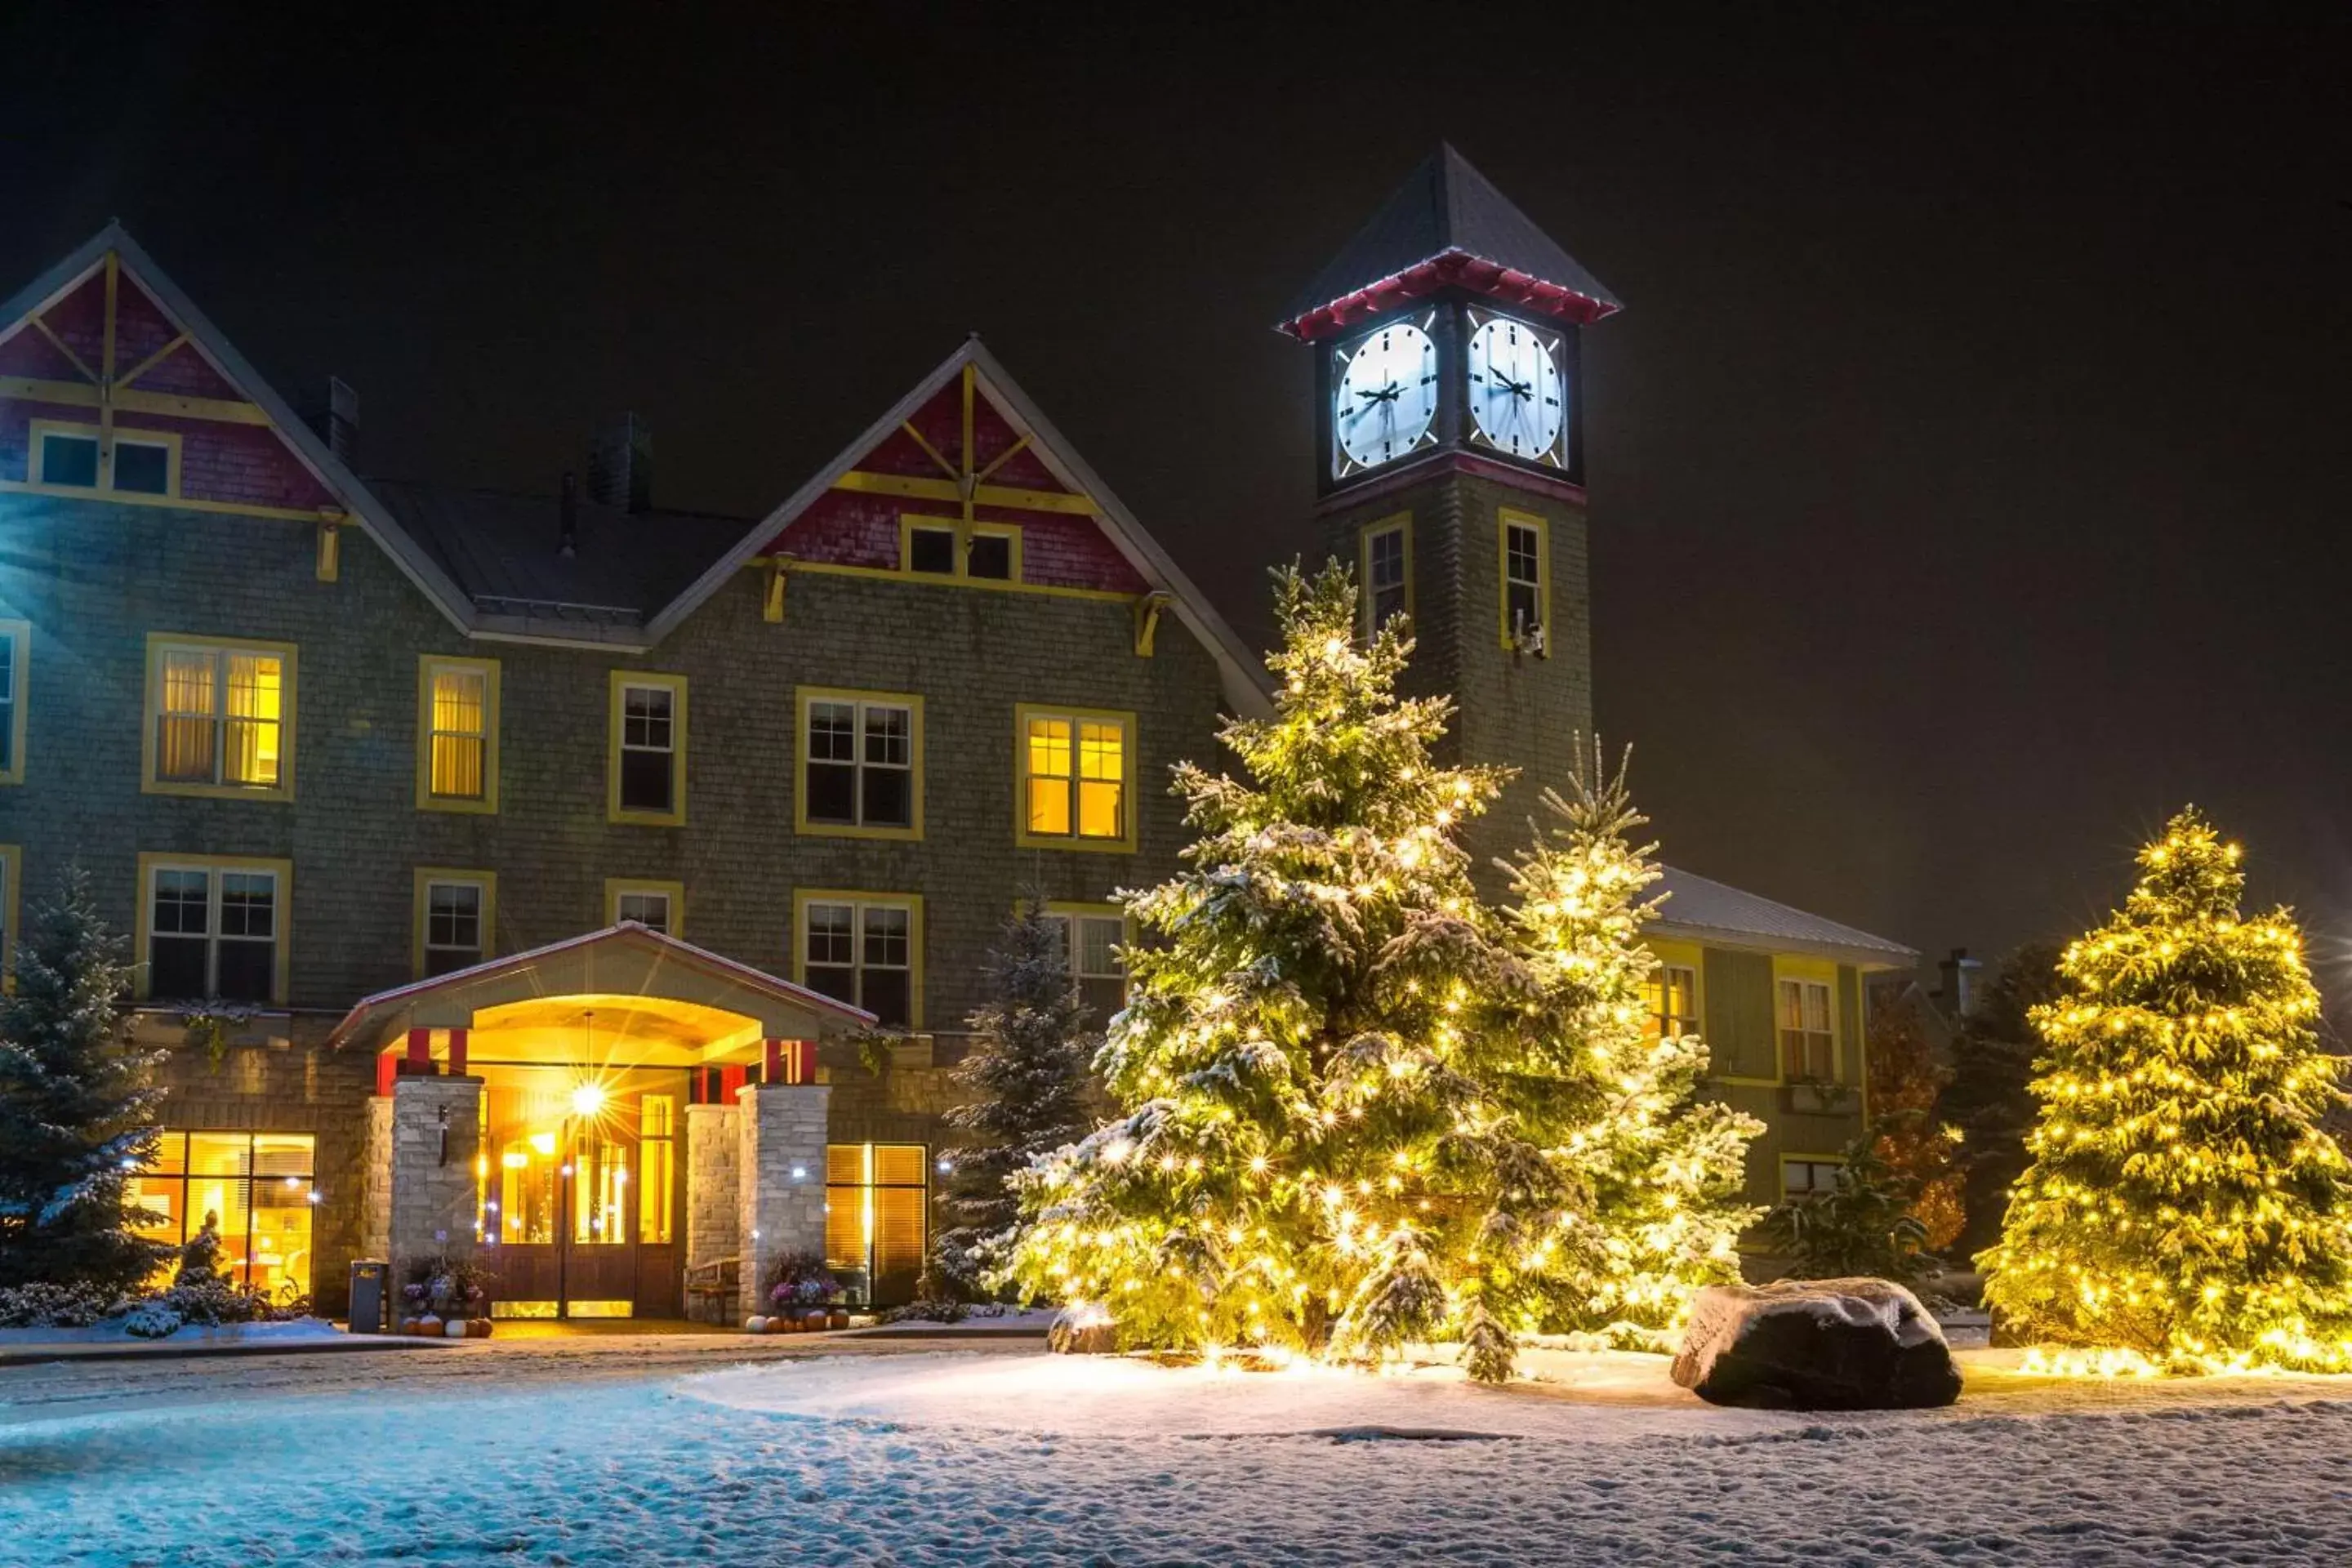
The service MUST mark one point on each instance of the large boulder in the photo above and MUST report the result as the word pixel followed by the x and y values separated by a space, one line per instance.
pixel 1084 1329
pixel 1815 1345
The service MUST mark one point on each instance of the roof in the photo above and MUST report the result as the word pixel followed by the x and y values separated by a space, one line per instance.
pixel 501 549
pixel 1446 209
pixel 654 963
pixel 1702 906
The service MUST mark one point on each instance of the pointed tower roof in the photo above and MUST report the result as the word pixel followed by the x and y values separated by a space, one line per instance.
pixel 1447 225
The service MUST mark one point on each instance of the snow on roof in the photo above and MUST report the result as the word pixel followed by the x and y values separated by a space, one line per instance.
pixel 1704 907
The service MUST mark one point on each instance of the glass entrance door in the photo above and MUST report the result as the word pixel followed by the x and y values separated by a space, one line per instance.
pixel 568 1228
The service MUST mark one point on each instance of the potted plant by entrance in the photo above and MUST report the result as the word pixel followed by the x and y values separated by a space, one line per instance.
pixel 802 1294
pixel 449 1297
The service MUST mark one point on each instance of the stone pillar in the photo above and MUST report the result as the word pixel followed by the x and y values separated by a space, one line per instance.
pixel 432 1190
pixel 782 1176
pixel 714 1196
pixel 375 1174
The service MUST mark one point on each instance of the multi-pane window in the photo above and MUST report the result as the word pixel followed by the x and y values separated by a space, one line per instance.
pixel 255 1186
pixel 457 913
pixel 1523 580
pixel 876 1205
pixel 1808 1045
pixel 213 933
pixel 71 457
pixel 658 1173
pixel 221 714
pixel 648 751
pixel 859 762
pixel 1385 573
pixel 1673 996
pixel 1808 1178
pixel 861 952
pixel 459 716
pixel 647 907
pixel 1090 950
pixel 15 636
pixel 1074 777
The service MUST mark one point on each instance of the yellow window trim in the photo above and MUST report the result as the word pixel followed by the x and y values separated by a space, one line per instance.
pixel 12 892
pixel 1505 518
pixel 889 574
pixel 148 783
pixel 1398 523
pixel 138 436
pixel 676 892
pixel 150 862
pixel 1129 805
pixel 913 904
pixel 964 534
pixel 1821 971
pixel 428 875
pixel 805 695
pixel 428 666
pixel 20 634
pixel 675 816
pixel 1689 955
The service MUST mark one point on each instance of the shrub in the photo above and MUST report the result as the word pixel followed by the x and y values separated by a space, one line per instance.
pixel 42 1305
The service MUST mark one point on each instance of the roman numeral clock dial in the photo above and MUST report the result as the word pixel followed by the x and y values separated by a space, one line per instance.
pixel 1386 397
pixel 1518 397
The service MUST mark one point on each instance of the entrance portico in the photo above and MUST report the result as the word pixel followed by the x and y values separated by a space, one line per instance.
pixel 590 1119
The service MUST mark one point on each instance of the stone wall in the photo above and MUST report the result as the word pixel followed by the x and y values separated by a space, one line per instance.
pixel 375 1221
pixel 784 1129
pixel 433 1194
pixel 714 1197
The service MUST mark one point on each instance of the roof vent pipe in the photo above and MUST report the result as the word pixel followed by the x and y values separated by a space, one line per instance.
pixel 567 531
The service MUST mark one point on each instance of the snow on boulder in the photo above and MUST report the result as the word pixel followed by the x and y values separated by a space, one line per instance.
pixel 1815 1345
pixel 1084 1328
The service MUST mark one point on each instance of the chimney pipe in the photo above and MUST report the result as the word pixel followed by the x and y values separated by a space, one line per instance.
pixel 621 465
pixel 567 529
pixel 335 419
pixel 1958 991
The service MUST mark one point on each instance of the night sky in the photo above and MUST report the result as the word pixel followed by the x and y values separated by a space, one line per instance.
pixel 1967 468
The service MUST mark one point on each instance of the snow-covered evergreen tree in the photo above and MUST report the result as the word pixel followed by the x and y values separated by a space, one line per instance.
pixel 1660 1168
pixel 76 1106
pixel 1336 1110
pixel 2184 1200
pixel 1027 1078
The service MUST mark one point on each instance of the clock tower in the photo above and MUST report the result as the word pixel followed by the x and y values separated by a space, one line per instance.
pixel 1449 416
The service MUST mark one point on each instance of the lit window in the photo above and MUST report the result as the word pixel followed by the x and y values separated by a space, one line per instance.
pixel 457 725
pixel 860 762
pixel 1386 574
pixel 658 1160
pixel 1673 997
pixel 16 640
pixel 222 717
pixel 1808 1048
pixel 1525 609
pixel 1075 778
pixel 455 912
pixel 876 1210
pixel 1090 950
pixel 862 951
pixel 256 1186
pixel 213 933
pixel 648 749
pixel 1808 1178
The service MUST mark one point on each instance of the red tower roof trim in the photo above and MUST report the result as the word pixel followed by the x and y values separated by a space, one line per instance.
pixel 1456 269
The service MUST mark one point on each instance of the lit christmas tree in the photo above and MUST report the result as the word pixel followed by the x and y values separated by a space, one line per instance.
pixel 1663 1169
pixel 1362 1109
pixel 2183 1202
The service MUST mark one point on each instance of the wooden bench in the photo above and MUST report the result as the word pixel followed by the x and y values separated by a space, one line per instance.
pixel 713 1291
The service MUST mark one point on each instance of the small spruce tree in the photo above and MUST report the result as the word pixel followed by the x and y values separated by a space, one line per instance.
pixel 77 1106
pixel 1027 1076
pixel 1662 1169
pixel 2183 1200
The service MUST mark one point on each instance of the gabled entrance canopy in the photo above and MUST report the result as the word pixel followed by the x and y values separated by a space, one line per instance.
pixel 622 994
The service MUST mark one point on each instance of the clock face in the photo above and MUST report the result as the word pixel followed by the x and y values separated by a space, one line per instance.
pixel 1387 396
pixel 1517 398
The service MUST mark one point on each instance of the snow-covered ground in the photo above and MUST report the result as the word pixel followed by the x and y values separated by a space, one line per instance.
pixel 110 1332
pixel 622 1452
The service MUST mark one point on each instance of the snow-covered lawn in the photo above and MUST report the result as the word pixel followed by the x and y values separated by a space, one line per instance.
pixel 996 1454
pixel 110 1332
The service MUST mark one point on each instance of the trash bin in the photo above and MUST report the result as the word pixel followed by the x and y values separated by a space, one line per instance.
pixel 368 1278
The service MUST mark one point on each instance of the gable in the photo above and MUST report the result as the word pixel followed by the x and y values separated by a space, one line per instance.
pixel 103 358
pixel 957 458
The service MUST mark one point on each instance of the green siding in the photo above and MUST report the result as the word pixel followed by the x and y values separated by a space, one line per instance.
pixel 1738 1022
pixel 1849 990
